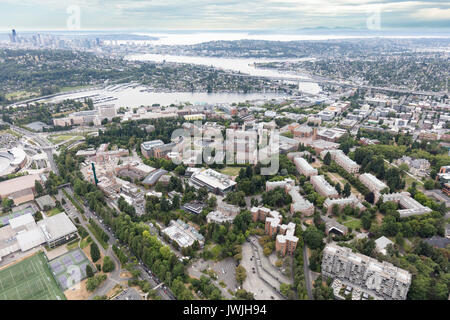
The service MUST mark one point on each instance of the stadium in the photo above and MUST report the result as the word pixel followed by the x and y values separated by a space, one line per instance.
pixel 12 160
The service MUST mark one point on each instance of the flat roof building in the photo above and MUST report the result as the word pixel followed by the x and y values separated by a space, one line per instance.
pixel 147 148
pixel 323 187
pixel 343 202
pixel 19 189
pixel 45 201
pixel 303 167
pixel 373 184
pixel 342 160
pixel 214 181
pixel 378 279
pixel 411 207
pixel 183 234
pixel 286 241
pixel 23 234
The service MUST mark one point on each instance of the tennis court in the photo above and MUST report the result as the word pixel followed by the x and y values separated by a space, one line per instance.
pixel 30 279
pixel 70 268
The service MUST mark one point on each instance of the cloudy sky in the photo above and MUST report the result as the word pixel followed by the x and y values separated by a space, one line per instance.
pixel 223 15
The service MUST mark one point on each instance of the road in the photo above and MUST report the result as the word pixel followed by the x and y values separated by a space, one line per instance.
pixel 307 272
pixel 46 145
pixel 146 274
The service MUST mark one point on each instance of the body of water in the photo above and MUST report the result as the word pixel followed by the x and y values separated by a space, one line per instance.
pixel 237 65
pixel 136 96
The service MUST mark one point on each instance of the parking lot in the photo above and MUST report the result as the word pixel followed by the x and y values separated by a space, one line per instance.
pixel 254 283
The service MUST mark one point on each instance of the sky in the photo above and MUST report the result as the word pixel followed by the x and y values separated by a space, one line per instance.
pixel 222 15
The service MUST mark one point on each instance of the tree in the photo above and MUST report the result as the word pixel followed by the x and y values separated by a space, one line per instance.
pixel 108 264
pixel 313 238
pixel 241 274
pixel 95 252
pixel 338 188
pixel 429 184
pixel 366 220
pixel 347 190
pixel 89 271
pixel 38 188
pixel 370 197
pixel 335 209
pixel 327 159
pixel 7 204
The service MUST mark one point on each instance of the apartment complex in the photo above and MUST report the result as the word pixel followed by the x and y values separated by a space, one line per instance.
pixel 303 167
pixel 286 241
pixel 270 185
pixel 299 204
pixel 381 280
pixel 323 187
pixel 342 160
pixel 373 184
pixel 343 202
pixel 410 206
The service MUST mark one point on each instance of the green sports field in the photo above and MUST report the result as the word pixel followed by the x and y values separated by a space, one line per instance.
pixel 30 279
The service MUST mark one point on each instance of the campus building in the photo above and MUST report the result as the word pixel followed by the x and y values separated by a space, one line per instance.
pixel 299 204
pixel 271 185
pixel 147 148
pixel 410 206
pixel 342 160
pixel 20 189
pixel 373 184
pixel 303 167
pixel 381 280
pixel 286 241
pixel 23 233
pixel 323 187
pixel 214 181
pixel 343 202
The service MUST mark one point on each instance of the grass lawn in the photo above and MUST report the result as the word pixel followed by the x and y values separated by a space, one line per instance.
pixel 85 242
pixel 30 279
pixel 353 223
pixel 61 138
pixel 11 132
pixel 231 171
pixel 97 236
pixel 20 95
pixel 68 89
pixel 52 212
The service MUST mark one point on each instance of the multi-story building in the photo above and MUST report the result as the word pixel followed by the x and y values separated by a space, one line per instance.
pixel 286 241
pixel 323 187
pixel 214 181
pixel 331 135
pixel 342 160
pixel 299 204
pixel 148 147
pixel 303 167
pixel 373 184
pixel 20 189
pixel 410 206
pixel 341 203
pixel 270 185
pixel 381 280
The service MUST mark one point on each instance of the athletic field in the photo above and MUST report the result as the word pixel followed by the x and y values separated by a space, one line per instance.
pixel 30 279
